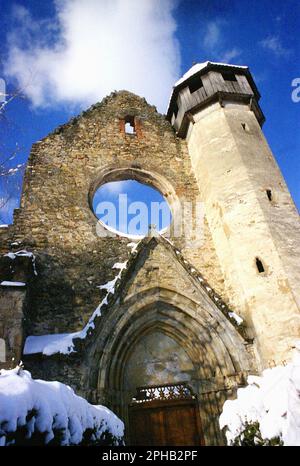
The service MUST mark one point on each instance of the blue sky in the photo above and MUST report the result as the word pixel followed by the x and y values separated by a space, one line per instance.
pixel 66 55
pixel 141 204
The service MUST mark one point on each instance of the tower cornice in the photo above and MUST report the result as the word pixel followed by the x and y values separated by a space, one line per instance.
pixel 206 83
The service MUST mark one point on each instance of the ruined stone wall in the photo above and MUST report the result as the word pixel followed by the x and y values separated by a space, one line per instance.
pixel 16 276
pixel 163 292
pixel 56 221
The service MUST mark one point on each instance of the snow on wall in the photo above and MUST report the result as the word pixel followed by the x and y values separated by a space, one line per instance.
pixel 6 283
pixel 64 342
pixel 50 344
pixel 272 400
pixel 57 407
pixel 61 342
pixel 22 253
pixel 133 246
pixel 236 317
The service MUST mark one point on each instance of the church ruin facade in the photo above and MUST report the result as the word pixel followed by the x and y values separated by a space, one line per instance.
pixel 166 338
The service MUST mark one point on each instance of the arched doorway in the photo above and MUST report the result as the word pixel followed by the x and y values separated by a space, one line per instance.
pixel 211 355
pixel 163 409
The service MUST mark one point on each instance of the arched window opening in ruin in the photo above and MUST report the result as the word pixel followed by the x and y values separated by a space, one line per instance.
pixel 129 207
pixel 259 265
pixel 129 125
pixel 175 110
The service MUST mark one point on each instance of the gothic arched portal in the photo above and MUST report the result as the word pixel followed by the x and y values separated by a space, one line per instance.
pixel 161 336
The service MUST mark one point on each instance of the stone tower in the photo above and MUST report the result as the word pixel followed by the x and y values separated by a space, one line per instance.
pixel 252 218
pixel 112 318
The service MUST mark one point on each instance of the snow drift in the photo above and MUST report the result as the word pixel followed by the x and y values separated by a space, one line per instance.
pixel 40 412
pixel 272 401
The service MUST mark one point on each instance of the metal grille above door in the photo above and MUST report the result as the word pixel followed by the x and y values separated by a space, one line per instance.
pixel 165 415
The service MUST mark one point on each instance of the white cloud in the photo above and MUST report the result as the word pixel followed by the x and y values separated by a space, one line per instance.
pixel 214 42
pixel 115 187
pixel 212 35
pixel 274 44
pixel 93 47
pixel 230 55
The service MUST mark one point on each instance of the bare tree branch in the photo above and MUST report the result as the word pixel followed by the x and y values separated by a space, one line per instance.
pixel 10 183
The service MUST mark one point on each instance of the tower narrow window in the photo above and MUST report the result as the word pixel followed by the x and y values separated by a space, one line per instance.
pixel 245 127
pixel 175 110
pixel 259 265
pixel 269 194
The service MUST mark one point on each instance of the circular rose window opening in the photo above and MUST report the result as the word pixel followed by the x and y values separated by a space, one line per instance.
pixel 129 207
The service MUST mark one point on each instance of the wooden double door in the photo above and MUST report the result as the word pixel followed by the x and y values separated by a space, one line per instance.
pixel 165 422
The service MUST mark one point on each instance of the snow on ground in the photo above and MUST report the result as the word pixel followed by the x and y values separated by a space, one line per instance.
pixel 56 406
pixel 272 400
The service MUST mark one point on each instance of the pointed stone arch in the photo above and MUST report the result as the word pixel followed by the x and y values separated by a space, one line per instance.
pixel 215 348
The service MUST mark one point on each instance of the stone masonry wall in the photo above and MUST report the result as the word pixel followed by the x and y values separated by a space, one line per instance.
pixel 56 221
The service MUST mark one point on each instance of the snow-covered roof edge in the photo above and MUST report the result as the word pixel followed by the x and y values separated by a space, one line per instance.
pixel 197 68
pixel 200 66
